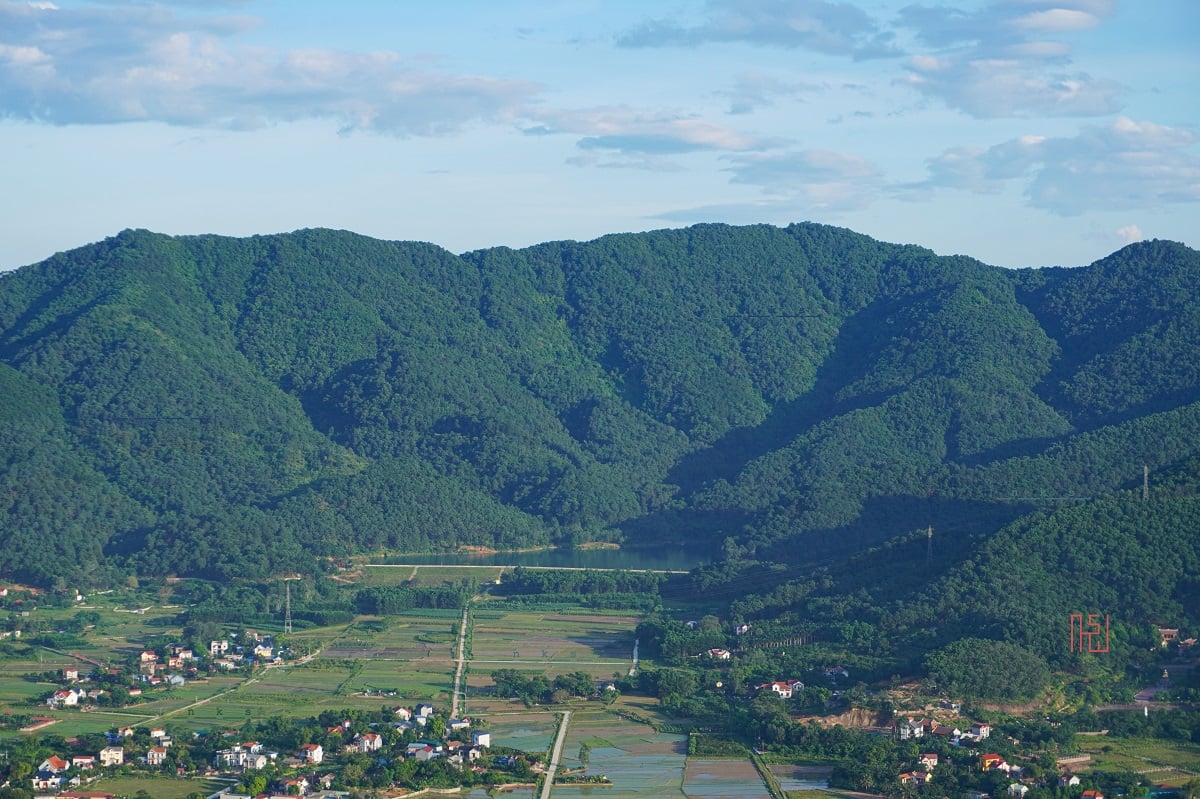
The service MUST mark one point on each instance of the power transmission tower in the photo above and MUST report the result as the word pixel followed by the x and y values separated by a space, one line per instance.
pixel 1145 482
pixel 929 545
pixel 287 609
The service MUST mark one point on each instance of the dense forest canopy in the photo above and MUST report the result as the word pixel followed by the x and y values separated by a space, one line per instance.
pixel 238 407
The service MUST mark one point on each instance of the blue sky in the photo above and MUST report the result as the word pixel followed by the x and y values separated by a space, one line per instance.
pixel 1021 132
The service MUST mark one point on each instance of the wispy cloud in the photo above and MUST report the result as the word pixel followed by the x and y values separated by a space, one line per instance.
pixel 126 62
pixel 1004 60
pixel 1120 166
pixel 640 137
pixel 752 91
pixel 816 180
pixel 824 27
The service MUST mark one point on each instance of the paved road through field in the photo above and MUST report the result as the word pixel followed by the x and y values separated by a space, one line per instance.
pixel 555 753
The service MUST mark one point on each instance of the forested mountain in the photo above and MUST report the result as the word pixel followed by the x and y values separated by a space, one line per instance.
pixel 225 407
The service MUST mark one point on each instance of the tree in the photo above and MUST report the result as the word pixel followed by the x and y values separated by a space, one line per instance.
pixel 437 727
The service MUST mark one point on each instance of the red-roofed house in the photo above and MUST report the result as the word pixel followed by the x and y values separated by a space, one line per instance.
pixel 990 761
pixel 54 764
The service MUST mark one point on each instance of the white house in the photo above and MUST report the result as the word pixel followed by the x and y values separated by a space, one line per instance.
pixel 369 742
pixel 312 753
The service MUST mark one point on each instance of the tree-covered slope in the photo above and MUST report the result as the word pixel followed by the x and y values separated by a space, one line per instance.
pixel 237 406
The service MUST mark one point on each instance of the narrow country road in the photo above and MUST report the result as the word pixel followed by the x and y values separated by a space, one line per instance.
pixel 555 754
pixel 460 663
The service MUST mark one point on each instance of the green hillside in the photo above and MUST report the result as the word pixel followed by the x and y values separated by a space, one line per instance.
pixel 225 407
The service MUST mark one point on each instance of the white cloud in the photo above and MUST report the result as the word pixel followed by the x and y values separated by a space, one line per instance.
pixel 1129 234
pixel 1121 166
pixel 122 63
pixel 825 27
pixel 1002 60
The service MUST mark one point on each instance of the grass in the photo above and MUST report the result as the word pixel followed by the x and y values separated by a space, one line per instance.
pixel 432 575
pixel 1138 754
pixel 158 787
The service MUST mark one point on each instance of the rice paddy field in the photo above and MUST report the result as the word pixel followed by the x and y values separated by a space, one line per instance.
pixel 723 779
pixel 640 762
pixel 528 730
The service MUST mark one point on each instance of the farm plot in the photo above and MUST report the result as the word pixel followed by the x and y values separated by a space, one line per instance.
pixel 411 636
pixel 1159 761
pixel 552 643
pixel 793 778
pixel 528 731
pixel 640 762
pixel 723 779
pixel 409 655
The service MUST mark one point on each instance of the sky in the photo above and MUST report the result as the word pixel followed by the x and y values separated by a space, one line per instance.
pixel 1019 132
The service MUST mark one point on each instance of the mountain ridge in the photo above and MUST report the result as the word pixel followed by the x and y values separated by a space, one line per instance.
pixel 221 406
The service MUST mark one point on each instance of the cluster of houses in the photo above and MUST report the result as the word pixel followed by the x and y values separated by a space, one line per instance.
pixel 988 762
pixel 786 689
pixel 173 668
pixel 52 774
pixel 252 756
pixel 258 648
pixel 912 728
pixel 782 688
